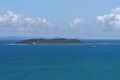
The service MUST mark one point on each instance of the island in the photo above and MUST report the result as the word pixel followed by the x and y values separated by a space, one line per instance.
pixel 50 41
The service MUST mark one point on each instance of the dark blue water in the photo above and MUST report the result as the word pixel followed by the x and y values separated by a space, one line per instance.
pixel 59 62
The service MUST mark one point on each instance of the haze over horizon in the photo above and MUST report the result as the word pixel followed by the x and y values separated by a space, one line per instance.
pixel 81 19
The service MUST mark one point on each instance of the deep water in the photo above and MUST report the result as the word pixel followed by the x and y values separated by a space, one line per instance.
pixel 60 62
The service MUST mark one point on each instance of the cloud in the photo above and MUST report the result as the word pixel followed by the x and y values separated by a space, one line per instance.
pixel 81 24
pixel 14 19
pixel 76 22
pixel 106 26
pixel 12 24
pixel 112 19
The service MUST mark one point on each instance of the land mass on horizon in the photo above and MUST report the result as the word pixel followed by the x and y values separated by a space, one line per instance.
pixel 50 41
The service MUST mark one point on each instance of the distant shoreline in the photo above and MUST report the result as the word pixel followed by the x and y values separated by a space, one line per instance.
pixel 56 44
pixel 60 41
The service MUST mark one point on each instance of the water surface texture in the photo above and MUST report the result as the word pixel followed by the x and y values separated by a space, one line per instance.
pixel 60 62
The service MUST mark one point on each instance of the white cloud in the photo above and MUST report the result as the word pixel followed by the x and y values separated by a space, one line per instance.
pixel 111 19
pixel 77 22
pixel 12 24
pixel 12 18
pixel 80 24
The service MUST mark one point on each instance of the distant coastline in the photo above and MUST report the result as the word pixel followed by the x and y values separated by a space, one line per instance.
pixel 51 41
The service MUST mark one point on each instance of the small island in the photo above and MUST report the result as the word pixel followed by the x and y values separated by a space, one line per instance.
pixel 50 41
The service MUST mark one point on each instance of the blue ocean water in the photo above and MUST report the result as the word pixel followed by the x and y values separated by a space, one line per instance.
pixel 59 62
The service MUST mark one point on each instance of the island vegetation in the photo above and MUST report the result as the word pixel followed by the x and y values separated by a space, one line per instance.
pixel 50 41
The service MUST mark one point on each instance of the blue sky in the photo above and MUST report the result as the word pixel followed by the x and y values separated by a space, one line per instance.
pixel 59 9
pixel 59 18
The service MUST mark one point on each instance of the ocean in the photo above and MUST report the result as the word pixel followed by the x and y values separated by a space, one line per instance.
pixel 60 62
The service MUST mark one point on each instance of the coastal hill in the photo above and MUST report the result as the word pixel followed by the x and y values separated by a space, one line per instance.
pixel 50 41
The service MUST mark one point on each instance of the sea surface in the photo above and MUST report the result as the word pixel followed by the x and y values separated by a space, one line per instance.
pixel 60 62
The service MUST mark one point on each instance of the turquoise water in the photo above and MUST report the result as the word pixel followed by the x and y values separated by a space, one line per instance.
pixel 59 62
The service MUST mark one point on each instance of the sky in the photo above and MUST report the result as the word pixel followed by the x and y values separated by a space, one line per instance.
pixel 83 19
